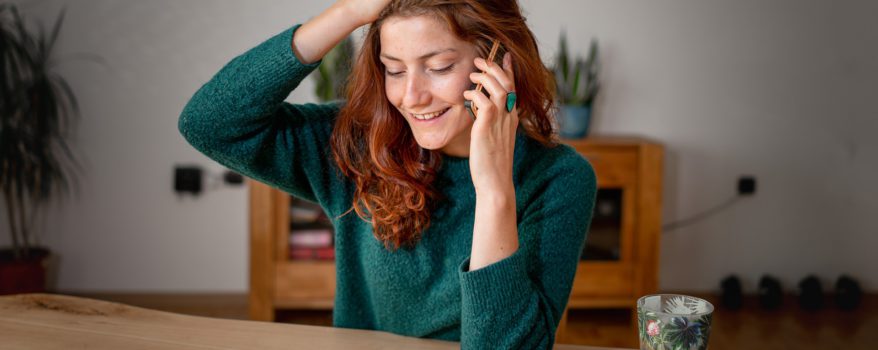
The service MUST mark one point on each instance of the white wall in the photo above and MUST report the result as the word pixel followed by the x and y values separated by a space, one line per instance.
pixel 779 89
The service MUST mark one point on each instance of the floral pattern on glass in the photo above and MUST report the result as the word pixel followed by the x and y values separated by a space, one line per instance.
pixel 681 323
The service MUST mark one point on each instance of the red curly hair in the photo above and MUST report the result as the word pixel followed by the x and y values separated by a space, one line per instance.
pixel 372 143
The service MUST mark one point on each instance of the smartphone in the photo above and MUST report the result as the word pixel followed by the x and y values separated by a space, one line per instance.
pixel 496 56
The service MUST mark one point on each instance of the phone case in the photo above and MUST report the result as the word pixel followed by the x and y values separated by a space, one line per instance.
pixel 496 56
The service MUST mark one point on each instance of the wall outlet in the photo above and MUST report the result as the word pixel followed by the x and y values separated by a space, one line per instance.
pixel 187 179
pixel 746 185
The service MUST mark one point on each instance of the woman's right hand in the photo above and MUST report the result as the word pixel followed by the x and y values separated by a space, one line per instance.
pixel 320 34
pixel 366 11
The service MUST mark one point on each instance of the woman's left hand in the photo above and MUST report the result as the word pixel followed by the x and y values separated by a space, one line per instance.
pixel 492 141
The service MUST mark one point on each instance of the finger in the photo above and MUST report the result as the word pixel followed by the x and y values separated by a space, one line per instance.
pixel 484 106
pixel 497 92
pixel 499 73
pixel 507 68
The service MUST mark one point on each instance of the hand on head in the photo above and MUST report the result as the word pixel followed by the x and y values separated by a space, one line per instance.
pixel 366 10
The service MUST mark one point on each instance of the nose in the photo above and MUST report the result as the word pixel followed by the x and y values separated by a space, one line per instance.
pixel 417 92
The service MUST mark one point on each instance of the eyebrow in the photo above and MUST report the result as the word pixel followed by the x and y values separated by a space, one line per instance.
pixel 423 57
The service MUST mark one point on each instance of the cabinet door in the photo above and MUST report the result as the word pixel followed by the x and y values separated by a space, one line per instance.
pixel 606 273
pixel 611 235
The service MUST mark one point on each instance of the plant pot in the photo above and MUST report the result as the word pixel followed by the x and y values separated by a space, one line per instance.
pixel 24 275
pixel 573 121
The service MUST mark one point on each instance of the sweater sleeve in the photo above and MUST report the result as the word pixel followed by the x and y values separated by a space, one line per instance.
pixel 516 303
pixel 239 119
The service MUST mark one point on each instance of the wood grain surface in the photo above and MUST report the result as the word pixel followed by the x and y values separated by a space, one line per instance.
pixel 47 321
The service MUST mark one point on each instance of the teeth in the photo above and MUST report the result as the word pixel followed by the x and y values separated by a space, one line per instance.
pixel 429 115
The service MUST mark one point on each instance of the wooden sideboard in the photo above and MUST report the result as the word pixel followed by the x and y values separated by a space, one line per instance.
pixel 629 171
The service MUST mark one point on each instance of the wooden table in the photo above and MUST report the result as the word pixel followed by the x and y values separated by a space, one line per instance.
pixel 47 321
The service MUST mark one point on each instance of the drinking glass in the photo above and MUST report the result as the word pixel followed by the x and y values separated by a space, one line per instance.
pixel 673 321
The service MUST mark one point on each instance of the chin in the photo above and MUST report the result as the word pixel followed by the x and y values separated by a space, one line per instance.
pixel 430 145
pixel 435 140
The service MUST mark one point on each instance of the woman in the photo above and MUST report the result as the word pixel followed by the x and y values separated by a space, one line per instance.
pixel 448 225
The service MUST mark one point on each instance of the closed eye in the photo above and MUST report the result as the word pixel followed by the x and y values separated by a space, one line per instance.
pixel 444 70
pixel 440 71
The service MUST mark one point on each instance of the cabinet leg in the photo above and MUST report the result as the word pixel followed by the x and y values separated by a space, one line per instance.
pixel 561 332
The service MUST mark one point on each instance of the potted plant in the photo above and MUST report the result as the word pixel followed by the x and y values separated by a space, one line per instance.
pixel 577 83
pixel 332 74
pixel 37 110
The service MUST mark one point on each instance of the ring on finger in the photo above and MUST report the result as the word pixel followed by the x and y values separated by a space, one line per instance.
pixel 511 99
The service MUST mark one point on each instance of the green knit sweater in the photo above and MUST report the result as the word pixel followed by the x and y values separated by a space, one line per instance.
pixel 239 119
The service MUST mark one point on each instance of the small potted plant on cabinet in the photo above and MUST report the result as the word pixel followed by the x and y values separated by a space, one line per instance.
pixel 577 83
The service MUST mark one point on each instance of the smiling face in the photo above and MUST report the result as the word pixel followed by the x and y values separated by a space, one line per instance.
pixel 426 72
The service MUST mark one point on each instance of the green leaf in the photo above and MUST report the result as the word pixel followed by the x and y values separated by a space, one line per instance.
pixel 576 79
pixel 683 333
pixel 577 74
pixel 334 71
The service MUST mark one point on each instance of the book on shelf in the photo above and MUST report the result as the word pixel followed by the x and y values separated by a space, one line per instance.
pixel 311 244
pixel 311 232
pixel 311 238
pixel 326 253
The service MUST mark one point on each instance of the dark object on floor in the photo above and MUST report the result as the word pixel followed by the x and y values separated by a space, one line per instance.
pixel 770 293
pixel 848 293
pixel 732 295
pixel 810 293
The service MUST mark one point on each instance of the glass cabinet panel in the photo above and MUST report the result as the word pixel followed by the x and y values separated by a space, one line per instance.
pixel 604 236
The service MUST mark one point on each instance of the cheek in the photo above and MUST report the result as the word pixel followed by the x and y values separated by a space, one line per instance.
pixel 394 92
pixel 454 86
